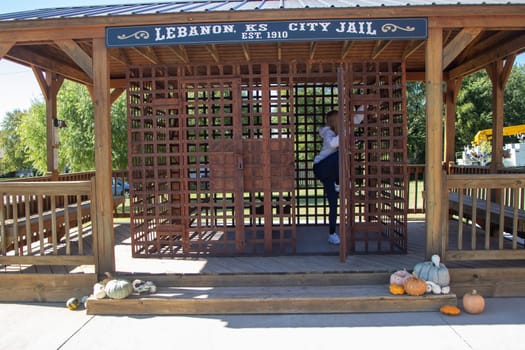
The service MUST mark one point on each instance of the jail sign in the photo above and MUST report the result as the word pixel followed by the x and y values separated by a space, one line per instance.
pixel 246 32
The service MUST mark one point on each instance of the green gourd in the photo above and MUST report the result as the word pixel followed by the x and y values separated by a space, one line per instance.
pixel 118 289
pixel 433 271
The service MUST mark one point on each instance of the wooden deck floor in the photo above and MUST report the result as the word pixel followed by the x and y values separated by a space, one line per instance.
pixel 314 254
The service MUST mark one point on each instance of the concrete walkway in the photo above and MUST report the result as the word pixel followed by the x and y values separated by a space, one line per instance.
pixel 53 326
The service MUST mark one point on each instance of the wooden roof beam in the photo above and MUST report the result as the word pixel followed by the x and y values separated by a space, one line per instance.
pixel 4 48
pixel 212 50
pixel 411 47
pixel 120 56
pixel 313 48
pixel 30 58
pixel 246 52
pixel 507 49
pixel 180 52
pixel 347 47
pixel 79 56
pixel 458 44
pixel 380 46
pixel 148 53
pixel 41 79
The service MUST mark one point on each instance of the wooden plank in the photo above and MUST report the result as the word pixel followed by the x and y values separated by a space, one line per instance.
pixel 476 254
pixel 44 287
pixel 269 300
pixel 71 260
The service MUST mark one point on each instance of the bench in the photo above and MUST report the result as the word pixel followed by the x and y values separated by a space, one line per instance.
pixel 481 212
pixel 72 212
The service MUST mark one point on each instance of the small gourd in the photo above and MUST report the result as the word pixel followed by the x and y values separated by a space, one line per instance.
pixel 451 310
pixel 399 277
pixel 433 288
pixel 118 289
pixel 72 303
pixel 98 291
pixel 473 302
pixel 396 289
pixel 415 286
pixel 433 271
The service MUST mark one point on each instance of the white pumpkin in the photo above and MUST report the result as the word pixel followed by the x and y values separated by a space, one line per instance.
pixel 98 291
pixel 433 271
pixel 118 289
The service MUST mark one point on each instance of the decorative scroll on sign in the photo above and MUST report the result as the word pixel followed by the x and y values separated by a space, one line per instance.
pixel 306 30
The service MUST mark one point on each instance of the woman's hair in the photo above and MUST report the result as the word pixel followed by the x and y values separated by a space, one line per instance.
pixel 331 119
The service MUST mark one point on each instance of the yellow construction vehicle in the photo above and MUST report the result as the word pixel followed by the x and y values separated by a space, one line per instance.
pixel 486 135
pixel 479 153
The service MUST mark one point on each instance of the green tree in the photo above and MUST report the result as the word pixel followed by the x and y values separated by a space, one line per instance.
pixel 32 135
pixel 514 96
pixel 76 140
pixel 14 153
pixel 416 121
pixel 474 108
pixel 119 133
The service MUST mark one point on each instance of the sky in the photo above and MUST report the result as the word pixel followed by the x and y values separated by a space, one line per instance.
pixel 18 87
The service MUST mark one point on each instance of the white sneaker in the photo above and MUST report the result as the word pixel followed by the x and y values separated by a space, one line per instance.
pixel 333 238
pixel 336 186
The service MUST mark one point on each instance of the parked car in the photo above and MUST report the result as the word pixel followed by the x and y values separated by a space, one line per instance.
pixel 120 187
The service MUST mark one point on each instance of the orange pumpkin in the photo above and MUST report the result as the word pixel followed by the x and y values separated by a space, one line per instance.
pixel 415 286
pixel 452 310
pixel 473 303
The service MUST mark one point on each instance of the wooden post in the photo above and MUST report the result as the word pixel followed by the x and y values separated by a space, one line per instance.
pixel 498 73
pixel 105 237
pixel 451 95
pixel 434 144
pixel 51 81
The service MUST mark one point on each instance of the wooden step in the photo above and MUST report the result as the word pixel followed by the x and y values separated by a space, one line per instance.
pixel 268 300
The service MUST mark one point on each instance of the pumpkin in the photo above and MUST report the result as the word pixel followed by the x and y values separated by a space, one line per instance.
pixel 118 289
pixel 72 303
pixel 399 277
pixel 415 286
pixel 451 310
pixel 396 289
pixel 98 291
pixel 433 271
pixel 473 302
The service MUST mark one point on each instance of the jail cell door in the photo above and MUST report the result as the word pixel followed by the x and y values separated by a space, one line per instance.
pixel 374 158
pixel 238 175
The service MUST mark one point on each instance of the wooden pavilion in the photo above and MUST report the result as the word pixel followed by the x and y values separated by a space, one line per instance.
pixel 223 100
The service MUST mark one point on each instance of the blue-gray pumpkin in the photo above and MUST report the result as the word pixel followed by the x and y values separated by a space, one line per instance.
pixel 433 271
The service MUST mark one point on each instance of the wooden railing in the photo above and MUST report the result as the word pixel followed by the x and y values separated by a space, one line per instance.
pixel 493 204
pixel 416 203
pixel 42 223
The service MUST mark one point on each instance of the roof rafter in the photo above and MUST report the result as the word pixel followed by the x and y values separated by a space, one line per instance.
pixel 347 47
pixel 30 58
pixel 458 44
pixel 502 51
pixel 380 46
pixel 180 52
pixel 212 49
pixel 412 46
pixel 148 53
pixel 79 56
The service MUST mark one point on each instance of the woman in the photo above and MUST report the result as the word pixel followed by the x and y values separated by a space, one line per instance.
pixel 326 169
